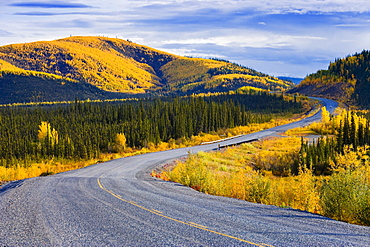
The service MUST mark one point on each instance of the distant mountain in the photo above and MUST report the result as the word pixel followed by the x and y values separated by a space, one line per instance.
pixel 295 80
pixel 346 80
pixel 99 68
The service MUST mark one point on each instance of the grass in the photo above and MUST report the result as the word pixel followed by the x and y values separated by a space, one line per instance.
pixel 260 172
pixel 304 131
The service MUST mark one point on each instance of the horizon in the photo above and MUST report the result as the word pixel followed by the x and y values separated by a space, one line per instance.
pixel 285 38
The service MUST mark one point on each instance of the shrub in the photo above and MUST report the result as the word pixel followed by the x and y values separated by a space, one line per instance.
pixel 345 196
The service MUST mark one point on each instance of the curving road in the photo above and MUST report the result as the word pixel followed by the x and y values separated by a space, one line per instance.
pixel 117 203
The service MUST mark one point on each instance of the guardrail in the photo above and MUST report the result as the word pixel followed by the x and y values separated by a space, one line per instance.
pixel 221 140
pixel 236 144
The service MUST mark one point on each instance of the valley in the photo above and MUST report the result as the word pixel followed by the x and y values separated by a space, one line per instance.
pixel 88 123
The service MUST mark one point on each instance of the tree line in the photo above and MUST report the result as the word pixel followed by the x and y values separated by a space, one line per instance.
pixel 84 130
pixel 350 129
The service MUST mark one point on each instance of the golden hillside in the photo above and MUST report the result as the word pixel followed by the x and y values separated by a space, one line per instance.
pixel 7 66
pixel 198 75
pixel 117 65
pixel 105 63
pixel 25 86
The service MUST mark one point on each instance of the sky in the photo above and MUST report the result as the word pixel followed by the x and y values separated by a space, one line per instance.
pixel 278 37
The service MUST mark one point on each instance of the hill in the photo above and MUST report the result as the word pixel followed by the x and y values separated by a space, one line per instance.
pixel 198 75
pixel 30 86
pixel 99 66
pixel 346 80
pixel 19 86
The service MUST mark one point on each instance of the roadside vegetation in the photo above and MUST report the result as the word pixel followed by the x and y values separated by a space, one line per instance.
pixel 42 140
pixel 328 176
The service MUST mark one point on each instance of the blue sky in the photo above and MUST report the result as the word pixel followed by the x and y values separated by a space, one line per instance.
pixel 281 38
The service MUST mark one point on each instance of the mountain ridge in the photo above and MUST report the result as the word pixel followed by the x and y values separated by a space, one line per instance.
pixel 118 66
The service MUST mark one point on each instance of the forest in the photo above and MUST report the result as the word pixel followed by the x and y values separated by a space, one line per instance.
pixel 349 129
pixel 85 130
pixel 346 80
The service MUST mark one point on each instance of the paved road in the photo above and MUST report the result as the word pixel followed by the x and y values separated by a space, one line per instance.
pixel 117 203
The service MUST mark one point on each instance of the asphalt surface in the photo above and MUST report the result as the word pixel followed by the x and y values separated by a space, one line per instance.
pixel 117 203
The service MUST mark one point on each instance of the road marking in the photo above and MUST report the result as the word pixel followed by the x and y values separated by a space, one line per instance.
pixel 197 225
pixel 179 221
pixel 157 211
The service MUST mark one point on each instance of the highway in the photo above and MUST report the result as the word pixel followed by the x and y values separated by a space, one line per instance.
pixel 118 203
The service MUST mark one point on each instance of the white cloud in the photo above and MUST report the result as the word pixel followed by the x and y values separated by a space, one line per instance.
pixel 352 25
pixel 305 35
pixel 271 6
pixel 250 39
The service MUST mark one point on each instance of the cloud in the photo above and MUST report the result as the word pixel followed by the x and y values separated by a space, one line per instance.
pixel 278 37
pixel 38 13
pixel 251 39
pixel 76 23
pixel 53 4
pixel 352 25
pixel 4 33
pixel 265 6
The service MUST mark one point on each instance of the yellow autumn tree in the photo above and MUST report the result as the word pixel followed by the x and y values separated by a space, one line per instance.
pixel 45 131
pixel 120 142
pixel 325 115
pixel 44 128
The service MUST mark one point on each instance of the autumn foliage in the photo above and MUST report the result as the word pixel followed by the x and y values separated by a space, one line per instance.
pixel 346 80
pixel 120 66
pixel 328 176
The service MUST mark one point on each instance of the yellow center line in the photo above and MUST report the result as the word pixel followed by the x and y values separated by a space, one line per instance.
pixel 179 221
pixel 195 224
pixel 157 211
